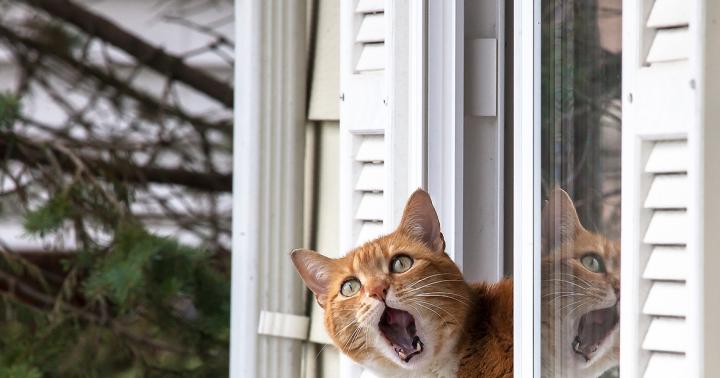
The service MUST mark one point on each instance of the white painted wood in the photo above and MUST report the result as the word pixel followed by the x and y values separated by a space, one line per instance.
pixel 372 149
pixel 668 157
pixel 372 28
pixel 370 6
pixel 667 263
pixel 663 365
pixel 369 231
pixel 669 13
pixel 669 45
pixel 668 192
pixel 445 115
pixel 371 208
pixel 372 57
pixel 372 177
pixel 283 325
pixel 481 81
pixel 662 98
pixel 269 142
pixel 526 189
pixel 667 227
pixel 667 299
pixel 666 335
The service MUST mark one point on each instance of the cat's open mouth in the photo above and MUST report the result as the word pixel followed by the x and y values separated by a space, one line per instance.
pixel 594 328
pixel 398 327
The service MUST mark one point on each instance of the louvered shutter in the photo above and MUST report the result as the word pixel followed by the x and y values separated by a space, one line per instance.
pixel 363 121
pixel 655 174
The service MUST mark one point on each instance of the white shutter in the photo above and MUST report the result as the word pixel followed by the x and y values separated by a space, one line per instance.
pixel 656 189
pixel 666 302
pixel 363 121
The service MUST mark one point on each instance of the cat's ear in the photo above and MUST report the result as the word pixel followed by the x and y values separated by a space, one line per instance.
pixel 315 270
pixel 560 221
pixel 420 221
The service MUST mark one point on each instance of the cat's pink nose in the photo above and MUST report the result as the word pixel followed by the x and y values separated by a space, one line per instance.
pixel 377 289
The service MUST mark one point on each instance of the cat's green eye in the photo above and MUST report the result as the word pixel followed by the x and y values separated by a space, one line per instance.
pixel 400 263
pixel 593 263
pixel 350 287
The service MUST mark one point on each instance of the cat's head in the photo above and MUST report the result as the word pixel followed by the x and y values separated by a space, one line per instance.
pixel 580 289
pixel 396 302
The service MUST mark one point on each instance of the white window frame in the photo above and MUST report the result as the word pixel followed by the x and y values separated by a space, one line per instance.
pixel 526 190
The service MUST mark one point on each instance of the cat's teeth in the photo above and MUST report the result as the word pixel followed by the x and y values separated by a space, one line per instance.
pixel 576 344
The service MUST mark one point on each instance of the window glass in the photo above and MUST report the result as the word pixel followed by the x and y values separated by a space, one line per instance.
pixel 580 136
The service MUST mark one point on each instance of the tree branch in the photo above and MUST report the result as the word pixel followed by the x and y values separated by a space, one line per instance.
pixel 14 148
pixel 145 53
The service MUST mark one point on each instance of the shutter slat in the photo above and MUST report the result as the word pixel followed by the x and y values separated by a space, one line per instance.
pixel 666 365
pixel 666 299
pixel 668 157
pixel 369 231
pixel 369 6
pixel 666 263
pixel 669 45
pixel 666 335
pixel 372 57
pixel 667 227
pixel 372 29
pixel 371 207
pixel 372 177
pixel 668 192
pixel 669 13
pixel 372 149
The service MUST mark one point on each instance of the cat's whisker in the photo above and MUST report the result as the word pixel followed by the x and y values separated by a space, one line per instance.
pixel 430 276
pixel 426 285
pixel 582 295
pixel 346 327
pixel 439 308
pixel 321 350
pixel 566 281
pixel 445 292
pixel 352 338
pixel 575 276
pixel 577 307
pixel 433 311
pixel 444 296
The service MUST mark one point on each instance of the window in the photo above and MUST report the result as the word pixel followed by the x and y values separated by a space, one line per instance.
pixel 580 138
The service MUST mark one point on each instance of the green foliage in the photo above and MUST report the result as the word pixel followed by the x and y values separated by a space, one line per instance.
pixel 49 217
pixel 145 306
pixel 9 110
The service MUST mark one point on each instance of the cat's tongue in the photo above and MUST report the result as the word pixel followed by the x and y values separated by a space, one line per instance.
pixel 594 327
pixel 398 327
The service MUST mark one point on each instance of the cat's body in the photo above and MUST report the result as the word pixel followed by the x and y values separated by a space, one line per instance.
pixel 399 306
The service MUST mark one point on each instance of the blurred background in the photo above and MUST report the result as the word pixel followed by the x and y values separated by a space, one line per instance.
pixel 115 187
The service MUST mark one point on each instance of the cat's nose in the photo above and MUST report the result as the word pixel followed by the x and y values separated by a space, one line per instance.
pixel 377 289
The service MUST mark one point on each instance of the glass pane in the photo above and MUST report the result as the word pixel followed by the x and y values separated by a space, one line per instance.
pixel 580 115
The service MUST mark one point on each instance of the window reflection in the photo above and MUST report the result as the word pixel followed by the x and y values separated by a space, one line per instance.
pixel 580 120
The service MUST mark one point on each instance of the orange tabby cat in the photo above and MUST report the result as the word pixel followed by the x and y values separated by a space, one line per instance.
pixel 581 294
pixel 399 306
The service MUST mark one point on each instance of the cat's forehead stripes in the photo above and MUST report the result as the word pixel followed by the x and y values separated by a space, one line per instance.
pixel 372 256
